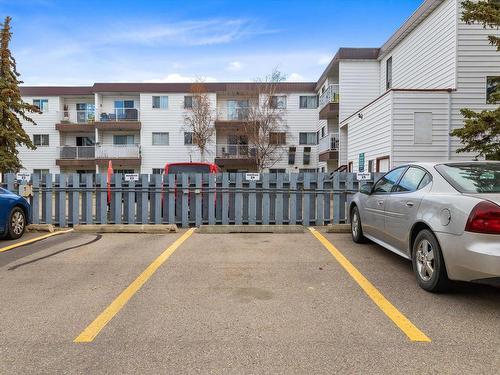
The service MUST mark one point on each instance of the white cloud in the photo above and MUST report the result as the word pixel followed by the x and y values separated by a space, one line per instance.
pixel 187 33
pixel 295 77
pixel 234 66
pixel 176 77
pixel 325 59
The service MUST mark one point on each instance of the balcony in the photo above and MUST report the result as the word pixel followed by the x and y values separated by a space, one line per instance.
pixel 232 119
pixel 329 102
pixel 231 155
pixel 76 121
pixel 119 119
pixel 117 152
pixel 76 156
pixel 329 147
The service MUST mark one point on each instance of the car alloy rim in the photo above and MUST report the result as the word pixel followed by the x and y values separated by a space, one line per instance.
pixel 17 222
pixel 425 260
pixel 355 223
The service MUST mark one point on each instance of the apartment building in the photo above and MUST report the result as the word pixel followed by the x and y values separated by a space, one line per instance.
pixel 370 110
pixel 382 107
pixel 140 127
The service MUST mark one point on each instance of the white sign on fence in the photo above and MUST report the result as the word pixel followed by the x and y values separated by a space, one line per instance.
pixel 23 176
pixel 131 176
pixel 363 176
pixel 252 176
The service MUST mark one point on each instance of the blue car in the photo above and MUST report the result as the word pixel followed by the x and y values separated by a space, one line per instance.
pixel 14 215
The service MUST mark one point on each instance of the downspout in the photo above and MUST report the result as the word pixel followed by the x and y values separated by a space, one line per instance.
pixel 449 124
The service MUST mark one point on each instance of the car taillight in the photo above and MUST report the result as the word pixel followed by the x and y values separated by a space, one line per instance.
pixel 484 218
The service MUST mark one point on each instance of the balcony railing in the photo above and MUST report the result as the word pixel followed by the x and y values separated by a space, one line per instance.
pixel 237 114
pixel 331 95
pixel 77 152
pixel 229 151
pixel 117 151
pixel 77 117
pixel 119 114
pixel 330 143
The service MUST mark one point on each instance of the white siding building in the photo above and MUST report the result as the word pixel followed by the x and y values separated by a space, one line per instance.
pixel 398 103
pixel 382 106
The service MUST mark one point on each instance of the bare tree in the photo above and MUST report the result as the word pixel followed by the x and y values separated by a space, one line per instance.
pixel 266 127
pixel 199 118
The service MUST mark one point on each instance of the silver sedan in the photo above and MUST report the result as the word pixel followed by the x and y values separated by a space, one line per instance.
pixel 445 217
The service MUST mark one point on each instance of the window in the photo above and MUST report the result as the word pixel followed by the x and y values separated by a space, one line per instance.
pixel 370 166
pixel 388 73
pixel 278 102
pixel 40 172
pixel 42 104
pixel 160 102
pixel 277 138
pixel 160 139
pixel 41 139
pixel 307 170
pixel 472 177
pixel 422 127
pixel 85 112
pixel 492 85
pixel 188 102
pixel 307 156
pixel 188 138
pixel 323 132
pixel 84 141
pixel 383 164
pixel 237 109
pixel 127 139
pixel 291 155
pixel 309 101
pixel 427 179
pixel 308 138
pixel 158 170
pixel 124 110
pixel 411 180
pixel 385 184
pixel 277 170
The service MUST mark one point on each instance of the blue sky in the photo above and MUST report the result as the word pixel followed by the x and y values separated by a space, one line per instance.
pixel 82 42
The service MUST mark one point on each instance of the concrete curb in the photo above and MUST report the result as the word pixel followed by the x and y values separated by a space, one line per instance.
pixel 41 228
pixel 338 228
pixel 126 228
pixel 225 229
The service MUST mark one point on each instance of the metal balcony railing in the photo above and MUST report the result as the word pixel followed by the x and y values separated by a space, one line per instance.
pixel 77 152
pixel 119 114
pixel 77 117
pixel 230 151
pixel 329 143
pixel 331 95
pixel 238 114
pixel 117 151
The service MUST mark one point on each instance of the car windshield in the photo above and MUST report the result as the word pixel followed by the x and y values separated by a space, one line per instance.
pixel 188 168
pixel 472 177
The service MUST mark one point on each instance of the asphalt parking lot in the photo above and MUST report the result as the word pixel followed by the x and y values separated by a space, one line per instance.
pixel 232 303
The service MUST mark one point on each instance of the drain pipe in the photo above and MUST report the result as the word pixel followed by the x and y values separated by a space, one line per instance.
pixel 449 124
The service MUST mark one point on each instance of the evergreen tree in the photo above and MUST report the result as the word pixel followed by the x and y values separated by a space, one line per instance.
pixel 12 107
pixel 481 131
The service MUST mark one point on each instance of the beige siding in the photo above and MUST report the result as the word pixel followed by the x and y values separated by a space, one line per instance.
pixel 405 104
pixel 371 134
pixel 426 58
pixel 42 157
pixel 477 59
pixel 358 85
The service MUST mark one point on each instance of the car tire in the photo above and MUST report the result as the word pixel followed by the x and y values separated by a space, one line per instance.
pixel 428 263
pixel 16 224
pixel 356 228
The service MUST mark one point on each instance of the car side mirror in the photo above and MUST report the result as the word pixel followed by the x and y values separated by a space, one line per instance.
pixel 365 189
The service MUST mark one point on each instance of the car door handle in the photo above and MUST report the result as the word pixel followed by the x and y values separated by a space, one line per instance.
pixel 409 204
pixel 380 202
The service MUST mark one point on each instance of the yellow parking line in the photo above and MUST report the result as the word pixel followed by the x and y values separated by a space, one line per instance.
pixel 93 329
pixel 31 240
pixel 413 333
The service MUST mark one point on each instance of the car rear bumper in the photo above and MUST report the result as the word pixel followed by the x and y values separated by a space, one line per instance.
pixel 471 256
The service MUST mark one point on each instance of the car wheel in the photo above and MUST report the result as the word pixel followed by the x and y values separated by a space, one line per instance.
pixel 428 263
pixel 356 229
pixel 17 223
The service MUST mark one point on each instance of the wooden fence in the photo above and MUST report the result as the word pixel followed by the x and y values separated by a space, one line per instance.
pixel 190 200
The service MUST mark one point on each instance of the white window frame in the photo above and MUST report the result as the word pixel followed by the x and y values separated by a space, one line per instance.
pixel 153 134
pixel 163 101
pixel 41 138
